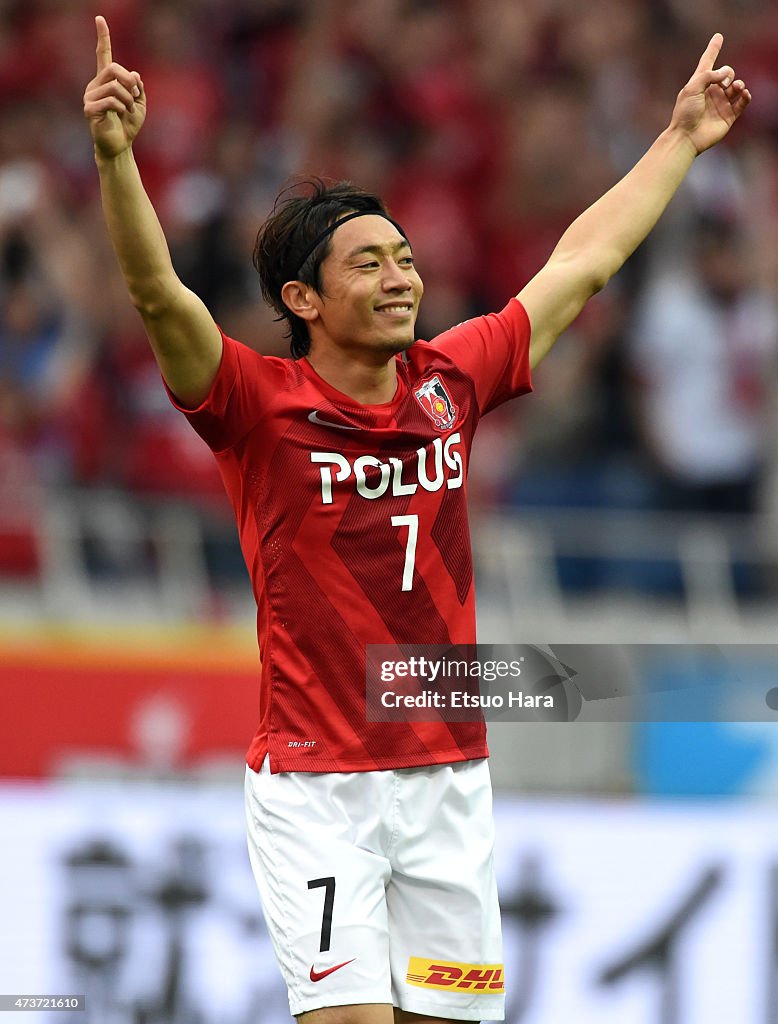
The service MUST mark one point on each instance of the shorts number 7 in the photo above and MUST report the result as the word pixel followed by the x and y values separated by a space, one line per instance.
pixel 329 899
pixel 412 522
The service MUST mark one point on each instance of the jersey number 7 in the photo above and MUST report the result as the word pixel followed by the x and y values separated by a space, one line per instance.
pixel 412 522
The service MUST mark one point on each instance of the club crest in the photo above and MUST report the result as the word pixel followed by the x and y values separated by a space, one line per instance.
pixel 436 402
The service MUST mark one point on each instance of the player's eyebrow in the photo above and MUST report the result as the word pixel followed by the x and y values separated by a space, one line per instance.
pixel 378 250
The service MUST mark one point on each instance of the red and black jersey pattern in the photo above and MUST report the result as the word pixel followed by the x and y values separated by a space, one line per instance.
pixel 326 494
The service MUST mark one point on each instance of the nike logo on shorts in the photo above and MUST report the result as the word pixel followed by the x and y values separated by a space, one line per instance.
pixel 314 418
pixel 318 975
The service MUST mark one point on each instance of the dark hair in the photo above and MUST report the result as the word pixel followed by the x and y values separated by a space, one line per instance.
pixel 289 232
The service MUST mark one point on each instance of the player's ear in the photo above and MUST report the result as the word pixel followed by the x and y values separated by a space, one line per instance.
pixel 300 299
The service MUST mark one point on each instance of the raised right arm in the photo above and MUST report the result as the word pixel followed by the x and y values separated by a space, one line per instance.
pixel 185 339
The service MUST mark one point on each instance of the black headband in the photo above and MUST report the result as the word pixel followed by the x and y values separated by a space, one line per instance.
pixel 336 224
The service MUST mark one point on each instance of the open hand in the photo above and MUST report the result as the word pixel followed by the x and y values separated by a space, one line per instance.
pixel 114 101
pixel 711 101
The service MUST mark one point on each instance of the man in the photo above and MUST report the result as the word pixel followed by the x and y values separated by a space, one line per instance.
pixel 703 403
pixel 370 842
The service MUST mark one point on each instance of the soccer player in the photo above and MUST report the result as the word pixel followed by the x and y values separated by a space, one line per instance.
pixel 371 843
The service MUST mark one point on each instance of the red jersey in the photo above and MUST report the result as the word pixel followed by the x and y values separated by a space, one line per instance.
pixel 353 524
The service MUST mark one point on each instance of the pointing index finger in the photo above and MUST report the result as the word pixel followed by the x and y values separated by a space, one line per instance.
pixel 708 59
pixel 104 57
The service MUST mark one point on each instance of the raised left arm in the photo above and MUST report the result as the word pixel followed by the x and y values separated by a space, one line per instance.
pixel 599 242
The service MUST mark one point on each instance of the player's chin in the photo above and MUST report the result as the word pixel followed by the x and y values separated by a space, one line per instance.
pixel 399 342
pixel 400 337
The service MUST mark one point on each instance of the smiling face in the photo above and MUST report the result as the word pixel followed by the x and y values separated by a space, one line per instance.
pixel 370 290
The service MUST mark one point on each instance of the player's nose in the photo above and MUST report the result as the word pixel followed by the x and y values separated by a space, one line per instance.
pixel 395 277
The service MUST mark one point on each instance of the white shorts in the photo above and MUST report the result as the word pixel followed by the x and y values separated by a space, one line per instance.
pixel 379 887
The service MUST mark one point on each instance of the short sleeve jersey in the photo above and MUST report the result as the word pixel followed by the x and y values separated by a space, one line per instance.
pixel 326 493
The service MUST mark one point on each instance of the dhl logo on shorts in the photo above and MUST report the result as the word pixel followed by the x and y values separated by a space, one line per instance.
pixel 455 977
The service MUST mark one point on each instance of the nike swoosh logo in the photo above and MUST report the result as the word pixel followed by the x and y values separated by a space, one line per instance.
pixel 318 975
pixel 314 418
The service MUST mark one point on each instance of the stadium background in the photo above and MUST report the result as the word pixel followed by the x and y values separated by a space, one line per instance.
pixel 632 499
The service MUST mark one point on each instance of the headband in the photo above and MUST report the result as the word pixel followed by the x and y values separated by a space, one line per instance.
pixel 336 224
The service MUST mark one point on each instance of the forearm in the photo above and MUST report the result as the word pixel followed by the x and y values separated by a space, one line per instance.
pixel 135 231
pixel 610 230
pixel 596 245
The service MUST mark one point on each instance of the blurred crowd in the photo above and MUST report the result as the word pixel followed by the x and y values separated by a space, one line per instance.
pixel 487 125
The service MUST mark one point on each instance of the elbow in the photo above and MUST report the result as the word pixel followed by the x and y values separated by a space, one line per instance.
pixel 604 266
pixel 152 299
pixel 591 269
pixel 596 277
pixel 148 307
pixel 598 282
